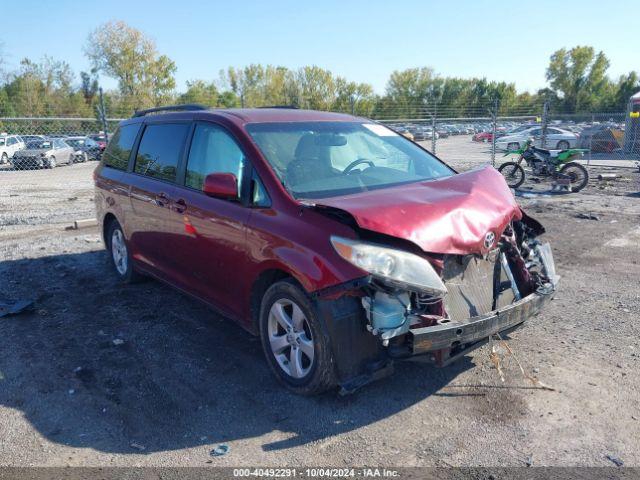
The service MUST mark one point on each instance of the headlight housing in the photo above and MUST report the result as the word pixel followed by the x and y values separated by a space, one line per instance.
pixel 393 266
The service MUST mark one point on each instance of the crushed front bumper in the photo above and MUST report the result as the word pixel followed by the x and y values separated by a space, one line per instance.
pixel 457 338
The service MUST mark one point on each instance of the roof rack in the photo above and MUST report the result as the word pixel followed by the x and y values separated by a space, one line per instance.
pixel 170 108
pixel 291 107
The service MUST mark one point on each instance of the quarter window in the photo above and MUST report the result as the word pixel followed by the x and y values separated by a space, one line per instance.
pixel 212 151
pixel 117 152
pixel 160 149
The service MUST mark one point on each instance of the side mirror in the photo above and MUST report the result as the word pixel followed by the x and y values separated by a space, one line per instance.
pixel 221 185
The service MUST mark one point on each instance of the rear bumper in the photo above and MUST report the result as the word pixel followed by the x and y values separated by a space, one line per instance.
pixel 463 335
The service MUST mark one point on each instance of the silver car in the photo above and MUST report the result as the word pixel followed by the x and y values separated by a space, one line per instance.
pixel 46 153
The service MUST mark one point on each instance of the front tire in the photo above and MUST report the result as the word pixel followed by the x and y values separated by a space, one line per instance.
pixel 578 175
pixel 4 159
pixel 295 340
pixel 120 254
pixel 512 173
pixel 513 146
pixel 51 162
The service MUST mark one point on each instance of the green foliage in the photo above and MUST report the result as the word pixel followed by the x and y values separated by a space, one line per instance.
pixel 578 83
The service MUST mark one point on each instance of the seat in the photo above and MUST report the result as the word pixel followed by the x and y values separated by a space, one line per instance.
pixel 311 162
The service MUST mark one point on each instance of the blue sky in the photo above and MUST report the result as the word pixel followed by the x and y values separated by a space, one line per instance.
pixel 361 40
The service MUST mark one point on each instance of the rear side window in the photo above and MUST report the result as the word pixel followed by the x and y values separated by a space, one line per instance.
pixel 160 149
pixel 213 150
pixel 117 152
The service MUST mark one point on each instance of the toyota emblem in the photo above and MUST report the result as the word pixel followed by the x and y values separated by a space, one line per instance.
pixel 489 239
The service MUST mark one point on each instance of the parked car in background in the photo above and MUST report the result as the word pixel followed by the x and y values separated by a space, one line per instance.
pixel 44 154
pixel 602 138
pixel 555 139
pixel 9 145
pixel 86 148
pixel 483 137
pixel 101 139
pixel 32 138
pixel 340 243
pixel 442 132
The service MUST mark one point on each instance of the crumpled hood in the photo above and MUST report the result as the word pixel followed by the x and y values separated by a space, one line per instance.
pixel 452 215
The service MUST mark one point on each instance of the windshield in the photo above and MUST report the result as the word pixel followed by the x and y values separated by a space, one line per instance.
pixel 325 159
pixel 38 145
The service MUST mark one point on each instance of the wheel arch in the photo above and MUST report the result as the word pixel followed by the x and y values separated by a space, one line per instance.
pixel 108 219
pixel 259 287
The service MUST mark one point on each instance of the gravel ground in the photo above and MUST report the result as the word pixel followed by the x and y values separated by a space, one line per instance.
pixel 102 374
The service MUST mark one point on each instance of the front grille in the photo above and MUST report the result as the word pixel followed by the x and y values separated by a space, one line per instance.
pixel 471 283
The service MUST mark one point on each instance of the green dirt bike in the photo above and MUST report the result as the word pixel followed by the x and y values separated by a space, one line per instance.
pixel 555 164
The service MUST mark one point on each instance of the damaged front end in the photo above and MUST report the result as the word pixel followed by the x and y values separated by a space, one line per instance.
pixel 441 305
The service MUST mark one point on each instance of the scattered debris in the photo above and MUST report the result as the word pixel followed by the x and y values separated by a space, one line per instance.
pixel 14 307
pixel 87 222
pixel 615 460
pixel 71 199
pixel 495 355
pixel 607 176
pixel 118 341
pixel 137 446
pixel 220 450
pixel 587 216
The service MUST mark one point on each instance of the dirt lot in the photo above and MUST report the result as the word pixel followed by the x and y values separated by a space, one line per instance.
pixel 179 380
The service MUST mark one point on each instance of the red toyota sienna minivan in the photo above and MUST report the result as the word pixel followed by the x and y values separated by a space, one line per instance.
pixel 342 244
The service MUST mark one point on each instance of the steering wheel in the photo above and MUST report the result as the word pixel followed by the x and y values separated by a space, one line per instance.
pixel 357 162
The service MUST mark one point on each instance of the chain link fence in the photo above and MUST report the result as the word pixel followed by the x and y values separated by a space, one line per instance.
pixel 483 134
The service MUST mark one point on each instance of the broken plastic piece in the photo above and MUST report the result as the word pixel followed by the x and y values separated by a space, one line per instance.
pixel 220 450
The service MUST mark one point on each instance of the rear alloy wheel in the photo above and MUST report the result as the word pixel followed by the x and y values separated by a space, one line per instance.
pixel 563 145
pixel 120 255
pixel 295 341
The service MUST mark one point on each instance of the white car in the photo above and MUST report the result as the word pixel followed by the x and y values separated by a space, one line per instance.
pixel 9 145
pixel 556 139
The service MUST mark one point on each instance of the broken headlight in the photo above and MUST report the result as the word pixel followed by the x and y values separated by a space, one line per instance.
pixel 397 267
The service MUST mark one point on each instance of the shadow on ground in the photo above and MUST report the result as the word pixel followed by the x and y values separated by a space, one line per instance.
pixel 181 376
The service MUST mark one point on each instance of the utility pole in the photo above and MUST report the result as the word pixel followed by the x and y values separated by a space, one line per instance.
pixel 103 115
pixel 494 129
pixel 545 122
pixel 433 126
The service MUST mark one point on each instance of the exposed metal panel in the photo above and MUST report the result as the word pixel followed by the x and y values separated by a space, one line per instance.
pixel 470 281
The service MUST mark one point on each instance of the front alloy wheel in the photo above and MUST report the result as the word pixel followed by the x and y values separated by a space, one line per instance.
pixel 295 339
pixel 290 338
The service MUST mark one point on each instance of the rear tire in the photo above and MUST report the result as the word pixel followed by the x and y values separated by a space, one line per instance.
pixel 513 174
pixel 295 340
pixel 578 174
pixel 562 145
pixel 120 254
pixel 513 146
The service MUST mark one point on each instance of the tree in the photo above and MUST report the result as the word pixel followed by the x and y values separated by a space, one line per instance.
pixel 89 87
pixel 126 54
pixel 579 76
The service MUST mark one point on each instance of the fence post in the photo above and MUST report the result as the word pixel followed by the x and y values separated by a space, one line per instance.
pixel 494 129
pixel 593 119
pixel 103 115
pixel 433 127
pixel 545 121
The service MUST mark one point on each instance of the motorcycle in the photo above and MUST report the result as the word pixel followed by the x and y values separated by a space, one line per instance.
pixel 555 164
